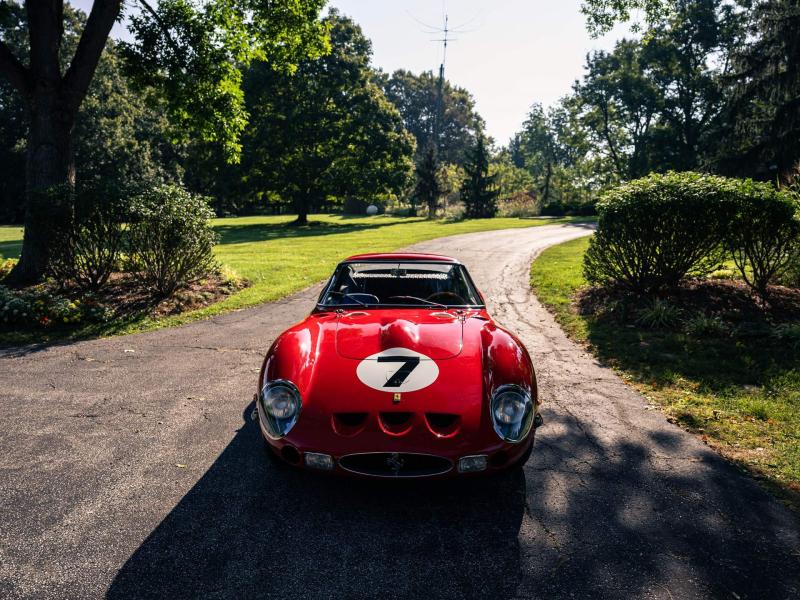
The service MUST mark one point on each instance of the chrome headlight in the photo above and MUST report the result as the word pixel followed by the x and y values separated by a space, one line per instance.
pixel 512 412
pixel 280 405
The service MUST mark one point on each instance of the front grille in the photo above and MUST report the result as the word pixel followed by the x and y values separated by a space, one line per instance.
pixel 395 464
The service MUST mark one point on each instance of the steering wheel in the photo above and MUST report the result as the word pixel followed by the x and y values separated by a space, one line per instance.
pixel 446 298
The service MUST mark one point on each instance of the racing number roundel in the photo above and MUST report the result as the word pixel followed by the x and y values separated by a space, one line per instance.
pixel 397 370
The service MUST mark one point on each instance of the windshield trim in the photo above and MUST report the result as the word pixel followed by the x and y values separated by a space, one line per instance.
pixel 329 283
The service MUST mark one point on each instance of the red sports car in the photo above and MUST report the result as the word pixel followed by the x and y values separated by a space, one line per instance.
pixel 399 371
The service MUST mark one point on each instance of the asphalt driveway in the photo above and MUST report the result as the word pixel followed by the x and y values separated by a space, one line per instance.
pixel 129 468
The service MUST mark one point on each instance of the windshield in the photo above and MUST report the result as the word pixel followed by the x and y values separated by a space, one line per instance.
pixel 433 284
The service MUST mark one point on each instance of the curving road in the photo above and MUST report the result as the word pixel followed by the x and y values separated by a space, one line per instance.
pixel 129 468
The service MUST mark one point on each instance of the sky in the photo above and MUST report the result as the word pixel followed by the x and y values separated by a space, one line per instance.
pixel 513 53
pixel 510 53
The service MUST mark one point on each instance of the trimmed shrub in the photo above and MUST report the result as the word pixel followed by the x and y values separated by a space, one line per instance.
pixel 89 247
pixel 654 231
pixel 764 234
pixel 170 238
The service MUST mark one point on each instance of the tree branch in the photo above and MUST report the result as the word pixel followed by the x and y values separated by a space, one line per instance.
pixel 164 29
pixel 90 47
pixel 16 73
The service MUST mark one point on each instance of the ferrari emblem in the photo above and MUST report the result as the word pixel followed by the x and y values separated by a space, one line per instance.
pixel 396 398
pixel 395 463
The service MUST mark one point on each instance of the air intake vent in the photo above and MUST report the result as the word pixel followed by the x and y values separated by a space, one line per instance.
pixel 395 464
pixel 443 424
pixel 396 423
pixel 349 424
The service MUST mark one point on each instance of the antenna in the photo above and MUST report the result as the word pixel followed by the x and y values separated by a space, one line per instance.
pixel 444 32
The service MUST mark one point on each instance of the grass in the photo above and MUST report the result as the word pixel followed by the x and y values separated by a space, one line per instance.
pixel 10 242
pixel 740 391
pixel 278 259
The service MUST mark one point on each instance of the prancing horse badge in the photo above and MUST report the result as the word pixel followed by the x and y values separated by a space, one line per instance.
pixel 396 398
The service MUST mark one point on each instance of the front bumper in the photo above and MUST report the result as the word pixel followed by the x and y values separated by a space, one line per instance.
pixel 396 457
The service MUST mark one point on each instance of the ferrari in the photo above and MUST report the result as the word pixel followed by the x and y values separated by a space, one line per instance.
pixel 399 372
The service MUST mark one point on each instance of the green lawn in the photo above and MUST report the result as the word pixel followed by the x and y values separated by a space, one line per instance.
pixel 278 259
pixel 10 242
pixel 740 391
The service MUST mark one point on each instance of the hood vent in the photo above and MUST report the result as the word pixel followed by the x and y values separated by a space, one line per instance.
pixel 443 424
pixel 395 423
pixel 349 424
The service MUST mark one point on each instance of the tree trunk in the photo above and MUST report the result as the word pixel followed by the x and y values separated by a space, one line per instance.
pixel 50 179
pixel 546 190
pixel 433 204
pixel 301 205
pixel 52 101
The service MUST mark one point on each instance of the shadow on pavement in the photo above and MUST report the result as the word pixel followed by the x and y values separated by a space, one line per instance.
pixel 661 519
pixel 657 518
pixel 249 529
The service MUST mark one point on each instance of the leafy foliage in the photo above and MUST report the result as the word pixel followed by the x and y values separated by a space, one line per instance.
pixel 415 96
pixel 39 307
pixel 478 190
pixel 89 247
pixel 194 53
pixel 428 188
pixel 602 15
pixel 170 238
pixel 762 133
pixel 325 131
pixel 701 325
pixel 659 314
pixel 764 234
pixel 120 135
pixel 654 231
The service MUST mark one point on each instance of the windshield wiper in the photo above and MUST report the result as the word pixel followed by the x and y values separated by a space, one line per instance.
pixel 346 295
pixel 428 302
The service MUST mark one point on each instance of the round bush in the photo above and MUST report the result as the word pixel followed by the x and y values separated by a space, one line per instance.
pixel 170 238
pixel 764 234
pixel 654 231
pixel 89 246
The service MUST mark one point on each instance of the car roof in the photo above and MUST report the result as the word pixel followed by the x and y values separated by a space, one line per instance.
pixel 401 257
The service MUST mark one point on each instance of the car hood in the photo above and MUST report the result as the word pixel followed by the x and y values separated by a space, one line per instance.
pixel 435 334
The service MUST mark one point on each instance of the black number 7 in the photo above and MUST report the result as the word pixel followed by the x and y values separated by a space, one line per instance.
pixel 409 364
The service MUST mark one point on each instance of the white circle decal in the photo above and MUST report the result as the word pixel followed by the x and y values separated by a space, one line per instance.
pixel 397 370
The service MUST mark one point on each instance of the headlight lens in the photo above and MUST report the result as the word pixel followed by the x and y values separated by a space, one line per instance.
pixel 512 412
pixel 280 404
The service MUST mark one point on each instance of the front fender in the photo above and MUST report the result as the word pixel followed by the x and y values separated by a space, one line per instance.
pixel 506 361
pixel 293 356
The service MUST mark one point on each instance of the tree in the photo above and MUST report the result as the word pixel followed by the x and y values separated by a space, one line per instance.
pixel 192 52
pixel 510 179
pixel 326 130
pixel 415 96
pixel 619 104
pixel 478 191
pixel 428 188
pixel 763 135
pixel 602 15
pixel 535 149
pixel 119 134
pixel 681 58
